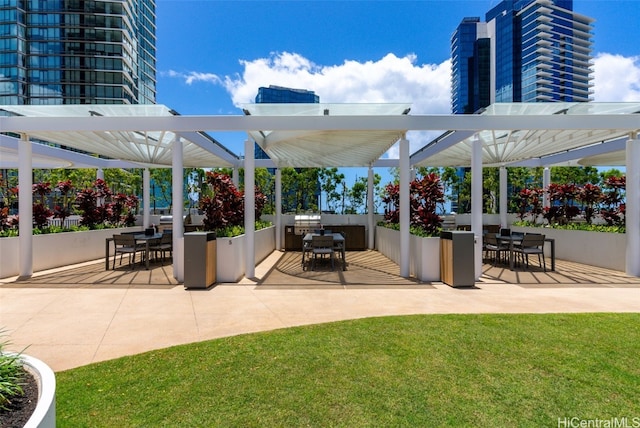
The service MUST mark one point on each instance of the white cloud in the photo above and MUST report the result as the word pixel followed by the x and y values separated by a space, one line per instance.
pixel 389 79
pixel 616 78
pixel 193 77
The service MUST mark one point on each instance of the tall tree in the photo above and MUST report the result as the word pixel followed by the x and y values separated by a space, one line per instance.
pixel 330 182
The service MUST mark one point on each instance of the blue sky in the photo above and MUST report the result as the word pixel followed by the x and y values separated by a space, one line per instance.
pixel 213 55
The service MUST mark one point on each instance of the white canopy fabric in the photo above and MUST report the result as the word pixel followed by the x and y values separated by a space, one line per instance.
pixel 326 148
pixel 511 146
pixel 49 157
pixel 148 148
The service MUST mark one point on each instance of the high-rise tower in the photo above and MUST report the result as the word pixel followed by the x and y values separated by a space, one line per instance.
pixel 77 52
pixel 526 51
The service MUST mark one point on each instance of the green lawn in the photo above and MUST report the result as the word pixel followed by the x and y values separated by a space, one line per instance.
pixel 409 371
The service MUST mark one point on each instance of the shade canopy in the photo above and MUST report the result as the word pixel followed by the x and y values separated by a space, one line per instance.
pixel 147 148
pixel 524 146
pixel 326 147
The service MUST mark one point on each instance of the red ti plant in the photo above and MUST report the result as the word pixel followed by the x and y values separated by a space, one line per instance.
pixel 425 194
pixel 121 211
pixel 589 195
pixel 530 202
pixel 613 211
pixel 41 212
pixel 61 209
pixel 225 206
pixel 565 195
pixel 392 199
pixel 91 202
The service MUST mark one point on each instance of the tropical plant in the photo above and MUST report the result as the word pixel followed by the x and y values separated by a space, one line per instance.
pixel 11 374
pixel 612 197
pixel 61 209
pixel 224 207
pixel 425 195
pixel 564 195
pixel 589 195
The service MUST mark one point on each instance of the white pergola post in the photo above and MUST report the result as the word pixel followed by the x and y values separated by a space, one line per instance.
pixel 632 214
pixel 249 208
pixel 177 181
pixel 504 197
pixel 25 206
pixel 370 213
pixel 99 176
pixel 405 171
pixel 278 209
pixel 546 181
pixel 146 192
pixel 235 177
pixel 476 202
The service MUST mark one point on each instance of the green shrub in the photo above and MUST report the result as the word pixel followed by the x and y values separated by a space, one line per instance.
pixel 11 375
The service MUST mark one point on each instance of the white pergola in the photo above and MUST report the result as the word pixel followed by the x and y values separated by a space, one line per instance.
pixel 319 135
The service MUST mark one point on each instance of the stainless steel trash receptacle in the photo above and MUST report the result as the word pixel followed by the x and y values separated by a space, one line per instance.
pixel 199 259
pixel 457 261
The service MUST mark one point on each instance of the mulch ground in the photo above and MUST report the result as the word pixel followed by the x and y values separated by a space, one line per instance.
pixel 21 408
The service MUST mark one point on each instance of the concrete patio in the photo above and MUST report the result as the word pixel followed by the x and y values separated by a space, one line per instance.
pixel 84 314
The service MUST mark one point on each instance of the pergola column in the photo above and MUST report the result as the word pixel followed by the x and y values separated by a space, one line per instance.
pixel 632 214
pixel 25 206
pixel 370 205
pixel 146 192
pixel 99 176
pixel 405 245
pixel 278 209
pixel 249 208
pixel 546 181
pixel 504 196
pixel 476 202
pixel 235 177
pixel 177 182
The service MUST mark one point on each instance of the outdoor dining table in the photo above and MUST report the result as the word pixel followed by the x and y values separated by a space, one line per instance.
pixel 139 237
pixel 516 237
pixel 337 238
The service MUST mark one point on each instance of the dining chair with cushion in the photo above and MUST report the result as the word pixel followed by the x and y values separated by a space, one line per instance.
pixel 322 246
pixel 338 245
pixel 162 245
pixel 495 246
pixel 531 244
pixel 126 244
pixel 306 249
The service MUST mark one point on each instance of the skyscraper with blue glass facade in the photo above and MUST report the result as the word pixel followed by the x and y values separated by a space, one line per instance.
pixel 278 95
pixel 77 52
pixel 525 51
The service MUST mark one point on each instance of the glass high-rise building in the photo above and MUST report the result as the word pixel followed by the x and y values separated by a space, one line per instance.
pixel 278 94
pixel 525 51
pixel 77 52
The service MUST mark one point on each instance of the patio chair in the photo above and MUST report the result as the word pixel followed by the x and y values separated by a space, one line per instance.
pixel 126 244
pixel 338 245
pixel 493 245
pixel 306 248
pixel 531 244
pixel 322 246
pixel 162 245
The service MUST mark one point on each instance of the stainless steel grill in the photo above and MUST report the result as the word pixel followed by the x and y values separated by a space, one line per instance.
pixel 305 223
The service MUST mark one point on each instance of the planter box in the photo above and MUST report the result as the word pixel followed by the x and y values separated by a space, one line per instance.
pixel 601 249
pixel 57 249
pixel 44 415
pixel 230 254
pixel 424 253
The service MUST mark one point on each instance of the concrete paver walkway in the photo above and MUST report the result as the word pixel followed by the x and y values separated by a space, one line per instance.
pixel 83 315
